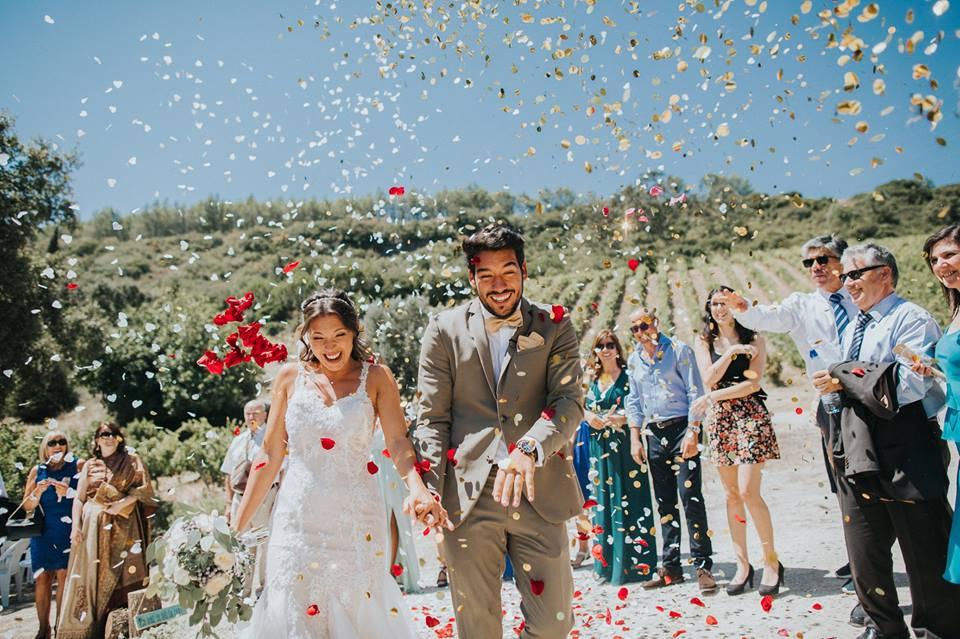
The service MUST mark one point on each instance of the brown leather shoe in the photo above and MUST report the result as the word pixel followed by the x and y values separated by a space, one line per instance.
pixel 708 585
pixel 664 577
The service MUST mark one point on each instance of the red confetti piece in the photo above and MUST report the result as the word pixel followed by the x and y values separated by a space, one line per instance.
pixel 643 542
pixel 431 621
pixel 644 569
pixel 452 456
pixel 711 620
pixel 291 266
pixel 396 570
pixel 385 452
pixel 372 468
pixel 327 443
pixel 597 552
pixel 799 411
pixel 536 587
pixel 71 286
pixel 606 211
pixel 260 465
pixel 422 467
pixel 622 594
pixel 211 362
pixel 766 602
pixel 511 448
pixel 696 601
pixel 557 312
pixel 397 190
pixel 740 519
pixel 817 606
pixel 313 610
pixel 236 431
pixel 675 615
pixel 548 412
pixel 590 503
pixel 632 264
pixel 678 633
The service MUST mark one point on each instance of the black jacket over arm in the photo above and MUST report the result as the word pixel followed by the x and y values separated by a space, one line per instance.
pixel 884 449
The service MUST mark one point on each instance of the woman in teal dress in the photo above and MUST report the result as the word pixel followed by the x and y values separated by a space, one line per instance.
pixel 942 250
pixel 625 549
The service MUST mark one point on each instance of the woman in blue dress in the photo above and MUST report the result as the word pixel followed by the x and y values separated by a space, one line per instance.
pixel 942 251
pixel 51 485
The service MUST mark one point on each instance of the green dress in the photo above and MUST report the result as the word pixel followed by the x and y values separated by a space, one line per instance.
pixel 623 516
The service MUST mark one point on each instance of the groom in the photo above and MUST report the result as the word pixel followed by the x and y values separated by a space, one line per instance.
pixel 500 398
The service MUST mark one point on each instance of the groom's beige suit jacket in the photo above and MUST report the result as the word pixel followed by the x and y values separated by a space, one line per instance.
pixel 462 408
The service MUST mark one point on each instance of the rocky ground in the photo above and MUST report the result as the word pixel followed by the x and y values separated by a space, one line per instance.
pixel 808 538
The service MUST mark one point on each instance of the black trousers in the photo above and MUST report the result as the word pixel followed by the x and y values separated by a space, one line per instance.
pixel 922 529
pixel 673 477
pixel 823 421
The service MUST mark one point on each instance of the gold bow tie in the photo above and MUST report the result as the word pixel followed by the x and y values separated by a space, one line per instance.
pixel 494 324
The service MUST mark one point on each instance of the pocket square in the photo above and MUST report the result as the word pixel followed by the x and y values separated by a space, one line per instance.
pixel 532 340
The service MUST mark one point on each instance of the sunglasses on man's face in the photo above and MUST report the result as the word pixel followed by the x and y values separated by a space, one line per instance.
pixel 57 442
pixel 822 260
pixel 106 435
pixel 642 326
pixel 857 273
pixel 610 346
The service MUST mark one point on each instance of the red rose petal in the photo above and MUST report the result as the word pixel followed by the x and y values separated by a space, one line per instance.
pixel 799 411
pixel 327 443
pixel 385 452
pixel 817 606
pixel 675 615
pixel 71 286
pixel 696 601
pixel 590 503
pixel 548 412
pixel 372 468
pixel 313 610
pixel 291 266
pixel 606 211
pixel 452 456
pixel 711 620
pixel 536 587
pixel 396 570
pixel 260 465
pixel 678 633
pixel 557 312
pixel 211 362
pixel 740 519
pixel 859 372
pixel 431 621
pixel 622 594
pixel 632 264
pixel 766 602
pixel 236 431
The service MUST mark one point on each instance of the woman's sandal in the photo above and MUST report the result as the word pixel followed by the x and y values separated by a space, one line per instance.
pixel 442 578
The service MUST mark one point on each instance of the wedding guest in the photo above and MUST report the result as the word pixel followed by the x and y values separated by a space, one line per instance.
pixel 623 517
pixel 664 382
pixel 110 535
pixel 815 320
pixel 236 468
pixel 731 358
pixel 890 460
pixel 49 485
pixel 942 250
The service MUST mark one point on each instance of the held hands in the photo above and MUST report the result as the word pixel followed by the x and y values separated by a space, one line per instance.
pixel 515 472
pixel 425 506
pixel 825 383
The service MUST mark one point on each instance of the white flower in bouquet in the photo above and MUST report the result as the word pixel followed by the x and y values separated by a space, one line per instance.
pixel 216 583
pixel 224 560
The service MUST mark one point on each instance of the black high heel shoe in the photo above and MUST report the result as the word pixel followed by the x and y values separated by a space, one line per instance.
pixel 737 589
pixel 775 588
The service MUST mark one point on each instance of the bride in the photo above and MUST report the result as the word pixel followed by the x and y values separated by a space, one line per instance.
pixel 326 569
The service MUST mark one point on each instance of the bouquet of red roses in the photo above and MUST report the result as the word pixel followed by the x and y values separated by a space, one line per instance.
pixel 247 336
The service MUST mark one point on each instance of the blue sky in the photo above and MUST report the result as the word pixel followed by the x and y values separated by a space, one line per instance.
pixel 180 100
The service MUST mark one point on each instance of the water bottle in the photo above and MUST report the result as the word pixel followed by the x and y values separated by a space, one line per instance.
pixel 832 402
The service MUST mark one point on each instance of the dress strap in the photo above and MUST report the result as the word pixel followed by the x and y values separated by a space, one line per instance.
pixel 363 376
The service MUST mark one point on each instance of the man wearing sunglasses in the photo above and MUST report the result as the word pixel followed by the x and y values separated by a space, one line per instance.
pixel 664 383
pixel 900 492
pixel 814 320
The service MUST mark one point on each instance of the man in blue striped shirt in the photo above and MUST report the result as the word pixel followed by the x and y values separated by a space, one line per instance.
pixel 664 383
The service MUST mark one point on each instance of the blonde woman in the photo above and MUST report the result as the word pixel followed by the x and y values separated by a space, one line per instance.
pixel 49 487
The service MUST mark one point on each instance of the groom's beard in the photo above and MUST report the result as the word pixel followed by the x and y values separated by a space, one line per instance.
pixel 508 313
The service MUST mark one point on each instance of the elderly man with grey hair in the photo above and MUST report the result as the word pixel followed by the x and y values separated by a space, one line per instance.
pixel 815 320
pixel 889 458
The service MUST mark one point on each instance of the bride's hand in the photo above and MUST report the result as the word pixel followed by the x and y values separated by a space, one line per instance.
pixel 427 509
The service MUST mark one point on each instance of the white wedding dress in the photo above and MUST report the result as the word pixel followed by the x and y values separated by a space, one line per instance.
pixel 327 573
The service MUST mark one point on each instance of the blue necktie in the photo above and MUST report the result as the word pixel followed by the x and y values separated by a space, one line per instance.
pixel 862 320
pixel 839 313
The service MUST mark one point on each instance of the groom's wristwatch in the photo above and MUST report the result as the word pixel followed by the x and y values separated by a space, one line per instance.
pixel 528 447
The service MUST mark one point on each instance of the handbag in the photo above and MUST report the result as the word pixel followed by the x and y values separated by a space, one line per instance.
pixel 30 525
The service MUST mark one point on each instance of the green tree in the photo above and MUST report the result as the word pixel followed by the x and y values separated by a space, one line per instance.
pixel 34 193
pixel 395 328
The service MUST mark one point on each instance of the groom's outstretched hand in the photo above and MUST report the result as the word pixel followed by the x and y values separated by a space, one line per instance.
pixel 516 471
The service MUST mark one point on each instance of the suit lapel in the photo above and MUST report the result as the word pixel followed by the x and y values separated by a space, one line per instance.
pixel 526 310
pixel 479 333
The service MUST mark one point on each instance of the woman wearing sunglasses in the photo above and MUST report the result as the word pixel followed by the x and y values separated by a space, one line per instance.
pixel 110 536
pixel 49 487
pixel 731 358
pixel 623 517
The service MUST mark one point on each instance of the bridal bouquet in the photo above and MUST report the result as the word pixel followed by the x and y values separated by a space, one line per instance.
pixel 204 565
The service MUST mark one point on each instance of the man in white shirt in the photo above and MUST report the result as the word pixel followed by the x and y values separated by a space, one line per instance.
pixel 236 468
pixel 814 320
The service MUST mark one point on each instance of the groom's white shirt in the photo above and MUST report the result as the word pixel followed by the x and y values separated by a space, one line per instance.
pixel 499 342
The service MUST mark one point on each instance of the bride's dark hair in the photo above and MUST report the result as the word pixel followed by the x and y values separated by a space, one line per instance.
pixel 332 301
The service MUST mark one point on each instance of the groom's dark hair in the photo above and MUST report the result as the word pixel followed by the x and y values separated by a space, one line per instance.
pixel 492 238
